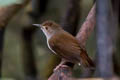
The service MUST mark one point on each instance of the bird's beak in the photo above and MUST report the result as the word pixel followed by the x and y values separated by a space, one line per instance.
pixel 38 25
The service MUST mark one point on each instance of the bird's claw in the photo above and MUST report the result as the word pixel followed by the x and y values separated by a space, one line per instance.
pixel 60 66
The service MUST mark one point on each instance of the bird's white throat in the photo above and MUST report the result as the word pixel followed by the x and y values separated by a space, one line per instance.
pixel 48 35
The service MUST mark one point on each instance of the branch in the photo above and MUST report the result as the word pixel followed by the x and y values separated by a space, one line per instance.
pixel 7 12
pixel 62 74
pixel 83 34
pixel 87 27
pixel 105 36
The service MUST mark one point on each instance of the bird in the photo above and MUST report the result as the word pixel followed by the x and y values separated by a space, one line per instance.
pixel 64 44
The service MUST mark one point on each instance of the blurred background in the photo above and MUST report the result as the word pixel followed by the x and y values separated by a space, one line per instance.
pixel 24 53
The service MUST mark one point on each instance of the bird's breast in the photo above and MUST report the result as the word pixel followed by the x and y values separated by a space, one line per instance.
pixel 50 47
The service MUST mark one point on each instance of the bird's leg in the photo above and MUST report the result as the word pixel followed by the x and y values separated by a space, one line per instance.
pixel 61 65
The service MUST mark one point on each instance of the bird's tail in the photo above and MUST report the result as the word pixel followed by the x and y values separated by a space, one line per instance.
pixel 86 61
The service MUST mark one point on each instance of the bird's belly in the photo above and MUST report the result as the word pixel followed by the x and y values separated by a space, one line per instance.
pixel 50 47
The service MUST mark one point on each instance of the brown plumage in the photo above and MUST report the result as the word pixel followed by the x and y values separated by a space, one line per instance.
pixel 65 45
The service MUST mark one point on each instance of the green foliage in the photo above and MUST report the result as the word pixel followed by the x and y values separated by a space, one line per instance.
pixel 10 2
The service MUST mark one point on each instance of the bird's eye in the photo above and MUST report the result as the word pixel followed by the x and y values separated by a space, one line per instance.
pixel 46 28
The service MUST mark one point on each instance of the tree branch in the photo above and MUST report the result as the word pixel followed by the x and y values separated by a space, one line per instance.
pixel 106 31
pixel 83 34
pixel 7 12
pixel 62 74
pixel 87 27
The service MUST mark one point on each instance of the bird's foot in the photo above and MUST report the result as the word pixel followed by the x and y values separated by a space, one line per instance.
pixel 60 66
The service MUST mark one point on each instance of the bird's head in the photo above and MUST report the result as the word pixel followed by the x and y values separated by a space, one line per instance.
pixel 49 28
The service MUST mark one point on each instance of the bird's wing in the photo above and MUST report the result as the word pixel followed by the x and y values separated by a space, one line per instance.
pixel 66 46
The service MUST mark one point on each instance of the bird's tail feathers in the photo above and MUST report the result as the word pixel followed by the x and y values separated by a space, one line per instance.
pixel 86 61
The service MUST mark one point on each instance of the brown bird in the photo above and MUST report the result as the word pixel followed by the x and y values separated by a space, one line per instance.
pixel 64 44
